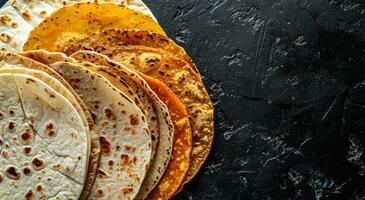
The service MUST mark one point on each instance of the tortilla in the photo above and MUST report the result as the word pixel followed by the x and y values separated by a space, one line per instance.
pixel 19 17
pixel 114 38
pixel 76 21
pixel 164 148
pixel 179 163
pixel 187 85
pixel 44 141
pixel 23 65
pixel 124 135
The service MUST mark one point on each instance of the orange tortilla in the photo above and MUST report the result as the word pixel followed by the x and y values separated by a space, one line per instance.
pixel 72 22
pixel 182 144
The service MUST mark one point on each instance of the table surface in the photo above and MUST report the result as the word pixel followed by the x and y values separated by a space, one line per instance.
pixel 287 81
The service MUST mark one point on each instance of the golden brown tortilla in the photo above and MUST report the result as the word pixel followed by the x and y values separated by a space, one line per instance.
pixel 78 20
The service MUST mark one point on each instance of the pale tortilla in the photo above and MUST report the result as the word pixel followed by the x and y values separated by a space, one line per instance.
pixel 124 136
pixel 23 65
pixel 164 148
pixel 19 17
pixel 43 142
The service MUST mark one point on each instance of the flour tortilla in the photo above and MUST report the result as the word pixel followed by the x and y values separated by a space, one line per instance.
pixel 124 84
pixel 114 38
pixel 19 17
pixel 72 22
pixel 180 77
pixel 43 141
pixel 124 135
pixel 55 81
pixel 164 148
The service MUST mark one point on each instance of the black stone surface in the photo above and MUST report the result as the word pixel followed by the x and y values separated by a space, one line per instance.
pixel 287 81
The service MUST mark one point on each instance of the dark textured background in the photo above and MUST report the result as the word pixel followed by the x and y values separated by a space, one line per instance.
pixel 287 81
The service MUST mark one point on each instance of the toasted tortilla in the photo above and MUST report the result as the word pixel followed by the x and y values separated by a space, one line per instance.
pixel 14 63
pixel 180 157
pixel 76 21
pixel 185 83
pixel 164 148
pixel 44 141
pixel 114 38
pixel 19 17
pixel 124 136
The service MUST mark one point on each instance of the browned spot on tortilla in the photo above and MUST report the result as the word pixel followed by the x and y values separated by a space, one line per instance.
pixel 39 188
pixel 4 19
pixel 101 174
pixel 130 148
pixel 99 193
pixel 26 14
pixel 26 136
pixel 43 13
pixel 5 154
pixel 1 115
pixel 49 130
pixel 29 195
pixel 27 150
pixel 29 80
pixel 133 119
pixel 14 25
pixel 109 114
pixel 1 178
pixel 27 171
pixel 12 173
pixel 105 146
pixel 127 190
pixel 38 163
pixel 111 163
pixel 11 112
pixel 11 126
pixel 56 166
pixel 6 38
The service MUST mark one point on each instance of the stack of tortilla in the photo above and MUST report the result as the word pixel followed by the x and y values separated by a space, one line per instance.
pixel 97 103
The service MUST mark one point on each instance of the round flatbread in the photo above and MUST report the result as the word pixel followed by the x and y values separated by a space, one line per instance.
pixel 124 136
pixel 75 21
pixel 19 64
pixel 114 38
pixel 164 148
pixel 180 157
pixel 19 17
pixel 44 144
pixel 180 77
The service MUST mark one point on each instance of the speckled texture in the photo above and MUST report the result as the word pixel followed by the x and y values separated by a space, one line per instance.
pixel 285 77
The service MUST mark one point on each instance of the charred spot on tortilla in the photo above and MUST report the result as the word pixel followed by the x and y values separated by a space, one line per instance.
pixel 49 130
pixel 26 136
pixel 12 172
pixel 105 146
pixel 11 126
pixel 38 163
pixel 29 195
pixel 27 171
pixel 27 150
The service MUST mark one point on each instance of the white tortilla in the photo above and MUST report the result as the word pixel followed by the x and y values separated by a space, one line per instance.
pixel 19 17
pixel 14 63
pixel 125 138
pixel 164 147
pixel 46 145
